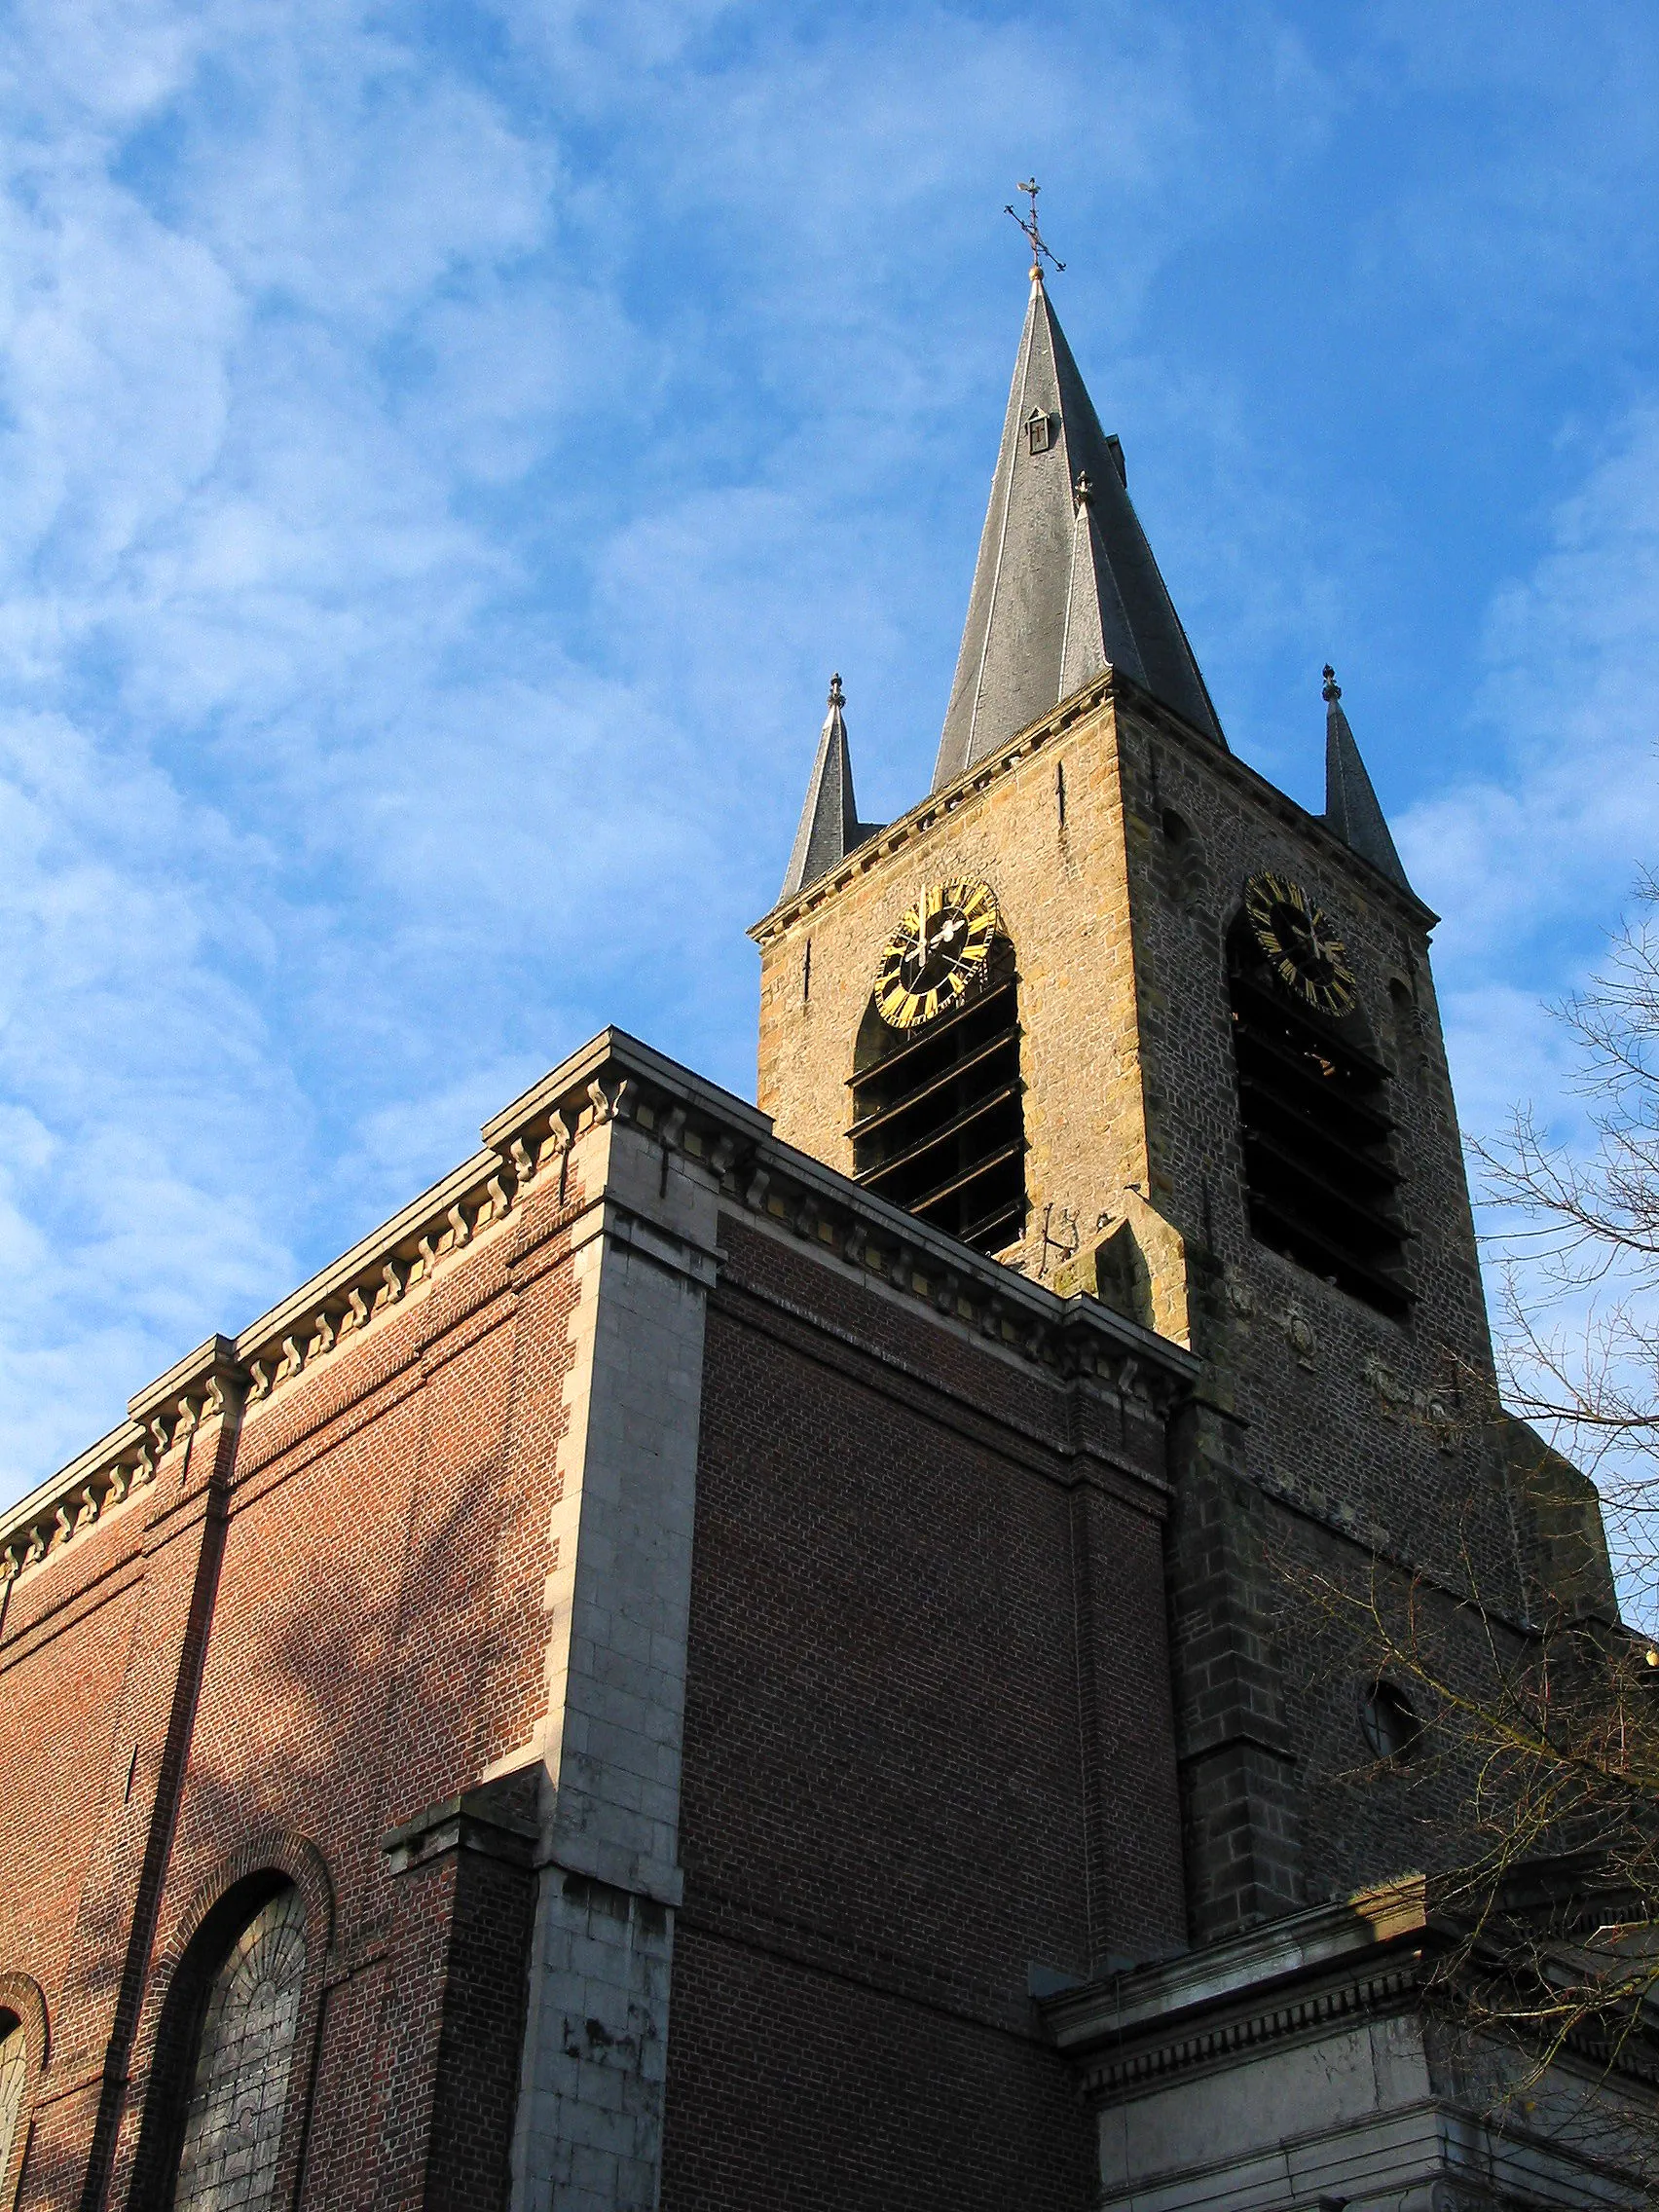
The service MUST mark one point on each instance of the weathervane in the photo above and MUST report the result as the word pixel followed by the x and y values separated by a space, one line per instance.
pixel 1028 224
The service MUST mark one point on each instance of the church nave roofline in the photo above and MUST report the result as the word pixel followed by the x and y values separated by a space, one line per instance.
pixel 612 1078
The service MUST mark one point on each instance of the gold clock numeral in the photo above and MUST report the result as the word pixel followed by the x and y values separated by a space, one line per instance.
pixel 939 948
pixel 1299 944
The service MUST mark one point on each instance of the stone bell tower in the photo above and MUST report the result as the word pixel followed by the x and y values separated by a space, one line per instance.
pixel 1108 1004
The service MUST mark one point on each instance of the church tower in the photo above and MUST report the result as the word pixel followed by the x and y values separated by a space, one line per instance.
pixel 1112 1008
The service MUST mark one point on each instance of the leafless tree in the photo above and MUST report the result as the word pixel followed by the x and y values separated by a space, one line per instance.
pixel 1545 1746
pixel 1574 1230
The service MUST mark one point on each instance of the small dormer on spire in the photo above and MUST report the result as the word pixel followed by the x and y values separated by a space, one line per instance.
pixel 1351 808
pixel 829 826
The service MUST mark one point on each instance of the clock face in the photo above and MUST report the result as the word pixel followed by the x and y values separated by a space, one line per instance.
pixel 1304 951
pixel 937 955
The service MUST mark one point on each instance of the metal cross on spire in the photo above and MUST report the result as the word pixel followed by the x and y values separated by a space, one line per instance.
pixel 1028 224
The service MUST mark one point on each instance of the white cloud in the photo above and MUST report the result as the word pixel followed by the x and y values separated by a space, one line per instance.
pixel 1531 862
pixel 446 456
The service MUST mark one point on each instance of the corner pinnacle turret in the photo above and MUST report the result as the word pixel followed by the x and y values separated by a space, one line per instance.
pixel 829 825
pixel 1351 807
pixel 1065 581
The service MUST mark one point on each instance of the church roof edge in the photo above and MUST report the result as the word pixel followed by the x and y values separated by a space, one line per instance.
pixel 617 1077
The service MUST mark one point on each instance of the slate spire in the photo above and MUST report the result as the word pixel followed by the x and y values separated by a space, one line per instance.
pixel 1066 580
pixel 829 825
pixel 1351 804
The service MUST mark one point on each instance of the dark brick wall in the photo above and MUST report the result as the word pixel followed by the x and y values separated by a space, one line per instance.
pixel 793 2087
pixel 928 1745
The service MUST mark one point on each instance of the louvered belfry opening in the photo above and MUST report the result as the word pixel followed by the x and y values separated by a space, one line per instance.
pixel 1319 1140
pixel 938 1126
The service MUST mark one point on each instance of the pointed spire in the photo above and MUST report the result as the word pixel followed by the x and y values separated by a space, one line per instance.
pixel 829 825
pixel 1350 803
pixel 1065 583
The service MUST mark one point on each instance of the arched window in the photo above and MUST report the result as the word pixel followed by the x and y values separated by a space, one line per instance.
pixel 939 1119
pixel 238 2085
pixel 1389 1722
pixel 1314 1112
pixel 13 2095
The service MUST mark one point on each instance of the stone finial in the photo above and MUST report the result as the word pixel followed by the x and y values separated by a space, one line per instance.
pixel 1333 690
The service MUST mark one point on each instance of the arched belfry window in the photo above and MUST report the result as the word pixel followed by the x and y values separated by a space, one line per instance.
pixel 939 1123
pixel 1313 1116
pixel 232 2122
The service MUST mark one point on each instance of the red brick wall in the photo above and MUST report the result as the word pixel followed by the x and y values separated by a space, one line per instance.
pixel 928 1744
pixel 373 1640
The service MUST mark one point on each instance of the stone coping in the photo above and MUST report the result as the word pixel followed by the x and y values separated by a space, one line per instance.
pixel 984 772
pixel 613 1077
pixel 1165 1997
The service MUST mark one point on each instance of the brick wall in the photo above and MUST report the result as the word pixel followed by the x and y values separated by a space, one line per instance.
pixel 317 1620
pixel 927 1748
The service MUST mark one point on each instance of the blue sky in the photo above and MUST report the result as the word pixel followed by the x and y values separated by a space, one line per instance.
pixel 448 447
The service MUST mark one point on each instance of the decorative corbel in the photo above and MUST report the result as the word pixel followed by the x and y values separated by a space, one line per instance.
pixel 359 1306
pixel 260 1387
pixel 854 1242
pixel 146 1467
pixel 755 1197
pixel 673 1127
pixel 323 1335
pixel 945 1296
pixel 65 1527
pixel 120 1481
pixel 37 1546
pixel 293 1358
pixel 804 1218
pixel 524 1162
pixel 991 1319
pixel 428 1256
pixel 722 1153
pixel 11 1565
pixel 611 1105
pixel 498 1192
pixel 394 1280
pixel 89 1508
pixel 162 1432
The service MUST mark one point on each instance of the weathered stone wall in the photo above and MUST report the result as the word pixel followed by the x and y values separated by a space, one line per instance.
pixel 1322 1427
pixel 1061 878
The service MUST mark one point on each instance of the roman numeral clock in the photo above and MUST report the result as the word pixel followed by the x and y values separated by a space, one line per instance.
pixel 937 955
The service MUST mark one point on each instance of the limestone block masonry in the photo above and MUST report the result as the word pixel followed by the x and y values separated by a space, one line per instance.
pixel 591 2100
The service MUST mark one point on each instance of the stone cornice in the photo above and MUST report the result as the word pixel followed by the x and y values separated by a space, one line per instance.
pixel 1112 685
pixel 1285 1978
pixel 1372 1952
pixel 613 1078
